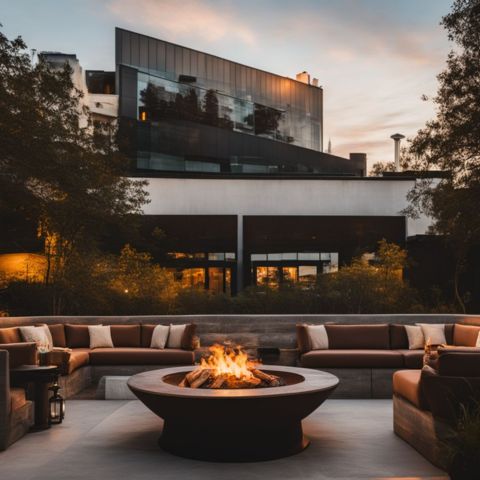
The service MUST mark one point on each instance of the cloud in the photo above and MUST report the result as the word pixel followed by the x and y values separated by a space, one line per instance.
pixel 186 18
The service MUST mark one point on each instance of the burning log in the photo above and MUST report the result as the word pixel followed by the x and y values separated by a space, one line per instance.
pixel 219 381
pixel 200 379
pixel 229 368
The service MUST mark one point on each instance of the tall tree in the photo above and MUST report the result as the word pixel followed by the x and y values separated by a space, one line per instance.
pixel 451 142
pixel 64 173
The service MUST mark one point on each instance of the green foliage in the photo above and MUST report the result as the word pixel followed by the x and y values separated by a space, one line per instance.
pixel 58 167
pixel 132 284
pixel 463 446
pixel 451 142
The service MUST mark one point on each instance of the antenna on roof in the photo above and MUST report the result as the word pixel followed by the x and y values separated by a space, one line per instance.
pixel 329 148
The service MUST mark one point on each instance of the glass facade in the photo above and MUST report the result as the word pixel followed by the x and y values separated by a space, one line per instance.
pixel 273 269
pixel 186 111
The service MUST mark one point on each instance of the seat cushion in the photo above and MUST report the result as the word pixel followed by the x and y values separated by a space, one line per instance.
pixel 412 358
pixel 10 335
pixel 79 357
pixel 126 335
pixel 18 398
pixel 406 383
pixel 140 356
pixel 352 359
pixel 358 337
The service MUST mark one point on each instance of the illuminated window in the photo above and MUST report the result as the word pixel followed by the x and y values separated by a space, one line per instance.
pixel 307 274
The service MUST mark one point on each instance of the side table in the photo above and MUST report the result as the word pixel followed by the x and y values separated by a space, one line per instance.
pixel 41 377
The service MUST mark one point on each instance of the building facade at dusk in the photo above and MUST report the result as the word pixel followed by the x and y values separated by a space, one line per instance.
pixel 239 184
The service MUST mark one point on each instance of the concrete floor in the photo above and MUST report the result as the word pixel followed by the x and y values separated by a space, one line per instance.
pixel 350 439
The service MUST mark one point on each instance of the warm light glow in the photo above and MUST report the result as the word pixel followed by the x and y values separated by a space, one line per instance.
pixel 228 361
pixel 143 116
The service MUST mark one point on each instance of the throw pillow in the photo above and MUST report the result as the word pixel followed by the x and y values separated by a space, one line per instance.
pixel 100 336
pixel 48 333
pixel 175 336
pixel 37 335
pixel 159 336
pixel 318 337
pixel 434 333
pixel 415 337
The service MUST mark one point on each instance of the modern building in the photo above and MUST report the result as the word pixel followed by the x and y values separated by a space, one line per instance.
pixel 238 180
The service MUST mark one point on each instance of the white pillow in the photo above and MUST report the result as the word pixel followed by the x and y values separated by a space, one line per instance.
pixel 318 337
pixel 478 340
pixel 415 337
pixel 100 336
pixel 159 336
pixel 433 332
pixel 175 336
pixel 37 335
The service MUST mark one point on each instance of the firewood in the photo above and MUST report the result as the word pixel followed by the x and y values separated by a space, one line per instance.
pixel 219 381
pixel 251 382
pixel 183 383
pixel 264 376
pixel 193 375
pixel 201 379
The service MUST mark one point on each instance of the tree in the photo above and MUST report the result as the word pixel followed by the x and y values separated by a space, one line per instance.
pixel 451 142
pixel 67 176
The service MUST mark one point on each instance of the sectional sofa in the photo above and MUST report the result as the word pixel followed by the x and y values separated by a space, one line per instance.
pixel 16 411
pixel 80 365
pixel 365 357
pixel 427 402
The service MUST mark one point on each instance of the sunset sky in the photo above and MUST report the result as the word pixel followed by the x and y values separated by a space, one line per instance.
pixel 374 58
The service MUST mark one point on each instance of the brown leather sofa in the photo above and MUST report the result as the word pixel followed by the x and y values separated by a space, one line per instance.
pixel 80 365
pixel 16 411
pixel 427 402
pixel 364 357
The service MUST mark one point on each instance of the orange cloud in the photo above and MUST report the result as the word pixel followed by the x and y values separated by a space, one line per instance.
pixel 188 17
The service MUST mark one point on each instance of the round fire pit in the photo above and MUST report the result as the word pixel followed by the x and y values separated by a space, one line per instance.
pixel 233 425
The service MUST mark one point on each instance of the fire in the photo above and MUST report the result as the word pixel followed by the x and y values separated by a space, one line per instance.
pixel 228 361
pixel 228 367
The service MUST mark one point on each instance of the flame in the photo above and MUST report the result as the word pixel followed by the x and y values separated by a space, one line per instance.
pixel 228 361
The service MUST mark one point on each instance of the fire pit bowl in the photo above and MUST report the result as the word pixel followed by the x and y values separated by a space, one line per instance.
pixel 233 425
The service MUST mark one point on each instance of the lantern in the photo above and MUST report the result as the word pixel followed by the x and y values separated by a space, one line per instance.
pixel 57 405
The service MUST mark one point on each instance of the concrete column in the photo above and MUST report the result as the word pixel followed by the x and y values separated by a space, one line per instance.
pixel 239 253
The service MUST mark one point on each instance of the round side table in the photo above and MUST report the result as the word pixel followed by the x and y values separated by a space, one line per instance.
pixel 41 377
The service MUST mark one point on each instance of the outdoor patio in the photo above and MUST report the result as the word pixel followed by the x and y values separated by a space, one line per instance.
pixel 350 439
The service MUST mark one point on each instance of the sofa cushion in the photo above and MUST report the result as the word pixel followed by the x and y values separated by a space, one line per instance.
pixel 100 336
pixel 146 335
pixel 79 357
pixel 21 353
pixel 18 398
pixel 398 337
pixel 412 358
pixel 187 340
pixel 10 335
pixel 140 356
pixel 459 362
pixel 77 336
pixel 58 335
pixel 358 336
pixel 352 359
pixel 406 383
pixel 175 335
pixel 465 335
pixel 303 339
pixel 126 335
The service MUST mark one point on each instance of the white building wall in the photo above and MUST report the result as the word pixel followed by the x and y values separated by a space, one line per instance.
pixel 375 197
